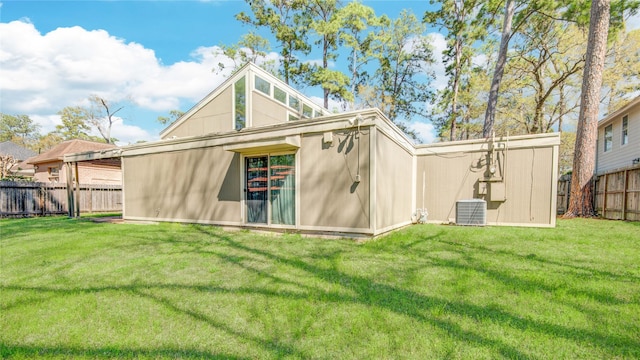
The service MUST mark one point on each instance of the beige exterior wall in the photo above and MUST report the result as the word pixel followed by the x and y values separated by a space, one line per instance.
pixel 266 111
pixel 215 116
pixel 394 183
pixel 528 176
pixel 330 197
pixel 201 179
pixel 620 156
pixel 191 185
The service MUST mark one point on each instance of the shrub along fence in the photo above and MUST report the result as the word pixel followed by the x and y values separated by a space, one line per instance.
pixel 617 194
pixel 32 198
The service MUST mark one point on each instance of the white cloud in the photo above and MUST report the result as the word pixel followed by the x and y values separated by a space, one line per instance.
pixel 425 131
pixel 47 122
pixel 42 73
pixel 130 134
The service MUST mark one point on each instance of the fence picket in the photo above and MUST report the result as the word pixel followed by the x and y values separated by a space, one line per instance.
pixel 32 198
pixel 616 194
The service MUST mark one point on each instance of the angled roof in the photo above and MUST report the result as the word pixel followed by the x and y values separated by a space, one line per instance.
pixel 242 71
pixel 69 147
pixel 621 111
pixel 18 152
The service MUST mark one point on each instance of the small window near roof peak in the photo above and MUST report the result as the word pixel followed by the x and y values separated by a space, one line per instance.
pixel 279 95
pixel 294 102
pixel 263 85
pixel 307 111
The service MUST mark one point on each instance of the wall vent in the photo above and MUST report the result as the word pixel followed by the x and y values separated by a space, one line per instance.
pixel 471 212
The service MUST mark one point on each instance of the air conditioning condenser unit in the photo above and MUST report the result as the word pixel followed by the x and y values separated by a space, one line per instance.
pixel 471 212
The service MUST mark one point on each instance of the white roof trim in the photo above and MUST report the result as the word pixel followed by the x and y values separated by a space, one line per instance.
pixel 614 115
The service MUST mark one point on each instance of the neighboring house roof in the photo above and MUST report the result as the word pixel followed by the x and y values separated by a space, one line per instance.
pixel 18 152
pixel 69 147
pixel 614 115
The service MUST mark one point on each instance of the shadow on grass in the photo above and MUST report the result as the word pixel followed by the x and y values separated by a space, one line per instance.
pixel 526 285
pixel 412 304
pixel 8 351
pixel 364 291
pixel 543 261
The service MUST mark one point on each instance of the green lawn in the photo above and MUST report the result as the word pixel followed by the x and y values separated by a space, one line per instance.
pixel 77 289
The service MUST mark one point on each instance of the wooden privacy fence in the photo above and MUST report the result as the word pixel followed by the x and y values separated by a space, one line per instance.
pixel 616 194
pixel 32 198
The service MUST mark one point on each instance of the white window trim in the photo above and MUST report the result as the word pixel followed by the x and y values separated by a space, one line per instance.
pixel 622 143
pixel 605 139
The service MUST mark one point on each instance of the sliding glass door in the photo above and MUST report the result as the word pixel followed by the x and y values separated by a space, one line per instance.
pixel 270 189
pixel 257 189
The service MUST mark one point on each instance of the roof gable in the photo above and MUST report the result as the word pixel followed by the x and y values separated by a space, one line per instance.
pixel 621 111
pixel 18 152
pixel 69 147
pixel 249 71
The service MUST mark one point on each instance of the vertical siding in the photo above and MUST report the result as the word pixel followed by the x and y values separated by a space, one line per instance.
pixel 329 194
pixel 620 156
pixel 528 185
pixel 193 185
pixel 394 172
pixel 446 179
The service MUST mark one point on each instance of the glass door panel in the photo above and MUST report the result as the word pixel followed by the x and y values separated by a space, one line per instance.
pixel 257 189
pixel 283 189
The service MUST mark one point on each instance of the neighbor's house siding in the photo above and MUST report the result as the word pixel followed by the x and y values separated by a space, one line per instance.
pixel 42 172
pixel 620 156
pixel 88 173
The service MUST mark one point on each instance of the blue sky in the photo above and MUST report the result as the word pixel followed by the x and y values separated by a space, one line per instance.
pixel 152 56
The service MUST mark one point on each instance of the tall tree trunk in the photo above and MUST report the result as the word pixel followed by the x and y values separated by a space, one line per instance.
pixel 490 115
pixel 456 86
pixel 581 200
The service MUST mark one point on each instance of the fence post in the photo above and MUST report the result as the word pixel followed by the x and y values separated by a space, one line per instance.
pixel 624 195
pixel 70 200
pixel 604 200
pixel 90 198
